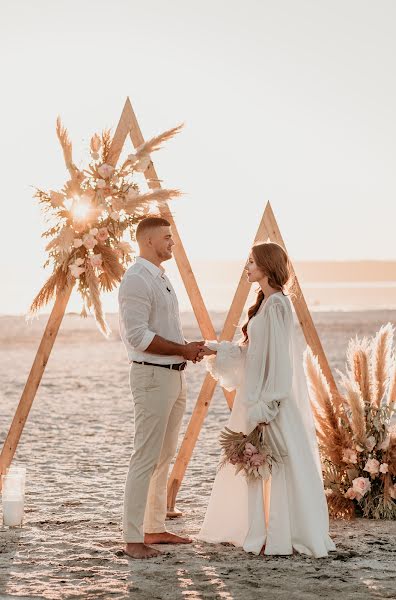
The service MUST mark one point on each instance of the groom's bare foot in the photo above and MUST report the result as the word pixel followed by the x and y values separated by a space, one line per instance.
pixel 165 538
pixel 141 551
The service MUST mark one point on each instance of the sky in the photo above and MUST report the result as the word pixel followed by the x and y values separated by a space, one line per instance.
pixel 291 101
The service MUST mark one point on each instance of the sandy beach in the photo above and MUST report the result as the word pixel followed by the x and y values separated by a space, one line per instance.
pixel 76 446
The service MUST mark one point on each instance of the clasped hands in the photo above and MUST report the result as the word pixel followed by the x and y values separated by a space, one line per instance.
pixel 195 351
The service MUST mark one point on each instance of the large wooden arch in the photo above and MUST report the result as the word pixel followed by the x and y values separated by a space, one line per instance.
pixel 268 229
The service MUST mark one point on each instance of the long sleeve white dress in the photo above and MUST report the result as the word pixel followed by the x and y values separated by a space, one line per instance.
pixel 268 375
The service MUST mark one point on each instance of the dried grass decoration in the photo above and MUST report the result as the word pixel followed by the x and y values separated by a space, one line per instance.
pixel 356 437
pixel 89 218
pixel 251 454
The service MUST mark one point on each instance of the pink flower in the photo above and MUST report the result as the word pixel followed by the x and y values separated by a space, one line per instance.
pixel 89 242
pixel 370 443
pixel 361 485
pixel 93 232
pixel 102 234
pixel 329 491
pixel 77 243
pixel 359 448
pixel 257 460
pixel 79 262
pixel 250 449
pixel 384 445
pixel 115 215
pixel 96 260
pixel 384 468
pixel 352 494
pixel 372 466
pixel 101 184
pixel 105 171
pixel 349 456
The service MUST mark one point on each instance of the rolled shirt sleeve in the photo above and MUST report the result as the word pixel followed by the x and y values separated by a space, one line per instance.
pixel 135 304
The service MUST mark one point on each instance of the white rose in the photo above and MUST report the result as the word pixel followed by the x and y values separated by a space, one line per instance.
pixel 384 468
pixel 105 171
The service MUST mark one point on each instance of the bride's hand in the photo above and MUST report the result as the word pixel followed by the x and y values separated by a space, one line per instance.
pixel 205 351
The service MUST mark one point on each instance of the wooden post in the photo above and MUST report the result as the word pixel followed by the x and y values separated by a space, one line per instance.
pixel 268 230
pixel 206 394
pixel 34 379
pixel 301 308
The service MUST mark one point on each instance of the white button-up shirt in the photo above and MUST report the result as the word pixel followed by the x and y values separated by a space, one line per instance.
pixel 148 307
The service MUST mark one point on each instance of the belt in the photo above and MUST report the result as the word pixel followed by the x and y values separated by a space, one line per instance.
pixel 175 367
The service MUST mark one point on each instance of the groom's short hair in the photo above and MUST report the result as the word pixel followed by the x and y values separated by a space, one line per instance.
pixel 150 223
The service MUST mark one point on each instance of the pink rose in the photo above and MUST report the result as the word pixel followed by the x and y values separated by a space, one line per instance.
pixel 102 234
pixel 105 171
pixel 351 494
pixel 96 260
pixel 349 456
pixel 370 443
pixel 115 215
pixel 372 466
pixel 93 232
pixel 384 468
pixel 361 485
pixel 101 184
pixel 77 243
pixel 89 242
pixel 250 448
pixel 257 460
pixel 328 492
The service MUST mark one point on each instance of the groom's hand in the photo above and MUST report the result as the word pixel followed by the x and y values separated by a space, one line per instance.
pixel 193 351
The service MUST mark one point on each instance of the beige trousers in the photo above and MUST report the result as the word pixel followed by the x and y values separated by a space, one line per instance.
pixel 159 397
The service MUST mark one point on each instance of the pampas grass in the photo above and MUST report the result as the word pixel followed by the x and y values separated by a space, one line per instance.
pixel 381 357
pixel 156 142
pixel 357 442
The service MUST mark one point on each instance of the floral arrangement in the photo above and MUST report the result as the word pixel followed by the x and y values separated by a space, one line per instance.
pixel 356 438
pixel 89 217
pixel 250 454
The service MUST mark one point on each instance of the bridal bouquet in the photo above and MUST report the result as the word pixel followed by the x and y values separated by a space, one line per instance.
pixel 355 432
pixel 250 454
pixel 89 216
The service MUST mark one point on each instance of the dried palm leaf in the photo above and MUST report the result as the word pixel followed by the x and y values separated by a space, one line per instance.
pixel 143 200
pixel 110 265
pixel 94 296
pixel 57 283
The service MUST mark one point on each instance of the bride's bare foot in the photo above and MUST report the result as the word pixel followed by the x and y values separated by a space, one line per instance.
pixel 141 551
pixel 165 538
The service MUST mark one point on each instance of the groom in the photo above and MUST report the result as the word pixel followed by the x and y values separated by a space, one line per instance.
pixel 151 330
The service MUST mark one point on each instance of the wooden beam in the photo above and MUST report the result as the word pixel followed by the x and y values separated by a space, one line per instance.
pixel 300 305
pixel 34 379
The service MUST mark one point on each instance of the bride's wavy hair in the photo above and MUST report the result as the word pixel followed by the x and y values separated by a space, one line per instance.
pixel 274 262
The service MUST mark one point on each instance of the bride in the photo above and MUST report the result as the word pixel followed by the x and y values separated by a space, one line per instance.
pixel 289 512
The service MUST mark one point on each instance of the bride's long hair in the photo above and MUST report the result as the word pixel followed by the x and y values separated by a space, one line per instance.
pixel 274 262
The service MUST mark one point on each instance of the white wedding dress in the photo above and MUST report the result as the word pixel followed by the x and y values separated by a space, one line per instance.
pixel 290 510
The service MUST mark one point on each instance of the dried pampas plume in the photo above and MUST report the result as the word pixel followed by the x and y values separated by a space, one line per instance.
pixel 381 360
pixel 66 144
pixel 358 361
pixel 155 143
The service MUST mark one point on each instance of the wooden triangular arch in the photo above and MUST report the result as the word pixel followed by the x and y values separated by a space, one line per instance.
pixel 268 229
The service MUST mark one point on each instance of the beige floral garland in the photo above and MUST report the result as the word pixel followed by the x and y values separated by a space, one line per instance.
pixel 89 217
